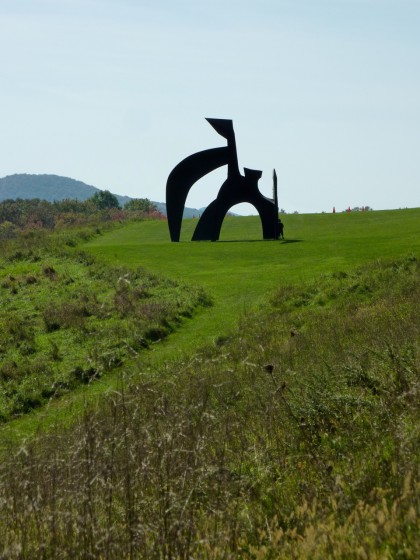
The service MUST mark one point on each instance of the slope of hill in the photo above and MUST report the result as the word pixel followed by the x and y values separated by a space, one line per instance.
pixel 292 433
pixel 56 187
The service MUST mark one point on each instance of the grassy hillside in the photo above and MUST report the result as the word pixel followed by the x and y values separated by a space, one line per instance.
pixel 66 320
pixel 282 422
pixel 240 269
pixel 239 272
pixel 296 438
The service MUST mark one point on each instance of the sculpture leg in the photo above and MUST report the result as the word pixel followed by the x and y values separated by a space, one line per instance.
pixel 267 211
pixel 210 223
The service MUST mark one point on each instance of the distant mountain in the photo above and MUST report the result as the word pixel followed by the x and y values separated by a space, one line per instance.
pixel 47 187
pixel 188 212
pixel 55 187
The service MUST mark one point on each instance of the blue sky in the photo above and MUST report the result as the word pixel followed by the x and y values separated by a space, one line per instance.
pixel 115 92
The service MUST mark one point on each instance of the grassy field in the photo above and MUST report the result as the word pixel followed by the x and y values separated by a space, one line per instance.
pixel 282 422
pixel 237 273
pixel 241 269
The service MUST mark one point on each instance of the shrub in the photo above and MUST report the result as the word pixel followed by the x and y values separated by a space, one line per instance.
pixel 65 315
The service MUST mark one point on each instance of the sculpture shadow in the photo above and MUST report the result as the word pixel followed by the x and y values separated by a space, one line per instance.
pixel 284 241
pixel 242 240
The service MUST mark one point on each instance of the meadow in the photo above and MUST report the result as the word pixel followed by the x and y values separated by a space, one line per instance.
pixel 278 418
pixel 240 270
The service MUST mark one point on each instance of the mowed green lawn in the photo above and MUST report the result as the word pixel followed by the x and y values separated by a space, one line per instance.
pixel 241 270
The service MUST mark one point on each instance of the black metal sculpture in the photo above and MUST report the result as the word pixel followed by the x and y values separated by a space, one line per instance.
pixel 236 189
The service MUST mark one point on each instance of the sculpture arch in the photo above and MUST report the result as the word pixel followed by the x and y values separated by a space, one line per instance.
pixel 236 189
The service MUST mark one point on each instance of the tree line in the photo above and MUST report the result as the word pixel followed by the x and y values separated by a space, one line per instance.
pixel 25 214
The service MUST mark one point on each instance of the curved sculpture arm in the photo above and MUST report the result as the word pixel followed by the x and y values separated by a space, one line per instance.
pixel 182 178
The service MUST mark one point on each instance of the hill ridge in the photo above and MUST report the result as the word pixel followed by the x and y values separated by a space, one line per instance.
pixel 53 187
